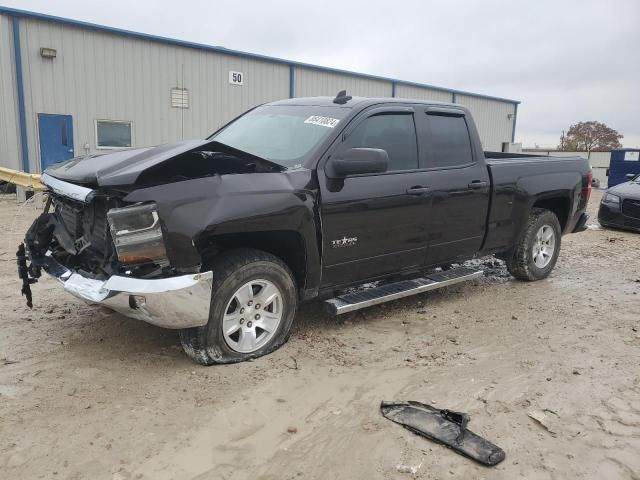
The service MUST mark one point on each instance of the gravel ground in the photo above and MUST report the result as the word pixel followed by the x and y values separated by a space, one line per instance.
pixel 86 393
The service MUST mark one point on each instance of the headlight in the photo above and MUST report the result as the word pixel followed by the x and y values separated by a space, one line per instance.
pixel 611 199
pixel 137 234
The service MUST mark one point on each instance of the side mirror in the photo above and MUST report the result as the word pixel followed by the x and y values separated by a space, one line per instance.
pixel 357 161
pixel 631 176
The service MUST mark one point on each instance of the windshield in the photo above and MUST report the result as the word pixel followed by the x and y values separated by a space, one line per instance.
pixel 284 134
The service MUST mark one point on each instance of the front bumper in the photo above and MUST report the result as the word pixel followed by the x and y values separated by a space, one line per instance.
pixel 610 216
pixel 173 302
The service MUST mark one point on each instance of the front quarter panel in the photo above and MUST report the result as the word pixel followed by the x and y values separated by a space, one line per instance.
pixel 193 210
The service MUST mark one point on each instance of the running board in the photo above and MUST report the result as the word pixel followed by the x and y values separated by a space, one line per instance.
pixel 350 302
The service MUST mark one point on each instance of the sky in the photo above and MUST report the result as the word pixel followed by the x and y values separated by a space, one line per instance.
pixel 565 60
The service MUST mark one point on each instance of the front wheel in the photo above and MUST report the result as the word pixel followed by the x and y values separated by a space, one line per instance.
pixel 537 250
pixel 253 304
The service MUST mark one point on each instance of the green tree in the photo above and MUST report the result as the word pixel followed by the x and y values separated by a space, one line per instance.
pixel 590 137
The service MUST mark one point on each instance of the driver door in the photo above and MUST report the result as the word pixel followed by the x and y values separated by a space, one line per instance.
pixel 374 224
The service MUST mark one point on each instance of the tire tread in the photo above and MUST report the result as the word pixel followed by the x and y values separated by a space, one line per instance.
pixel 195 340
pixel 519 262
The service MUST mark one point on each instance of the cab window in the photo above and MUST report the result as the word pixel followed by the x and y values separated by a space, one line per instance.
pixel 393 132
pixel 449 144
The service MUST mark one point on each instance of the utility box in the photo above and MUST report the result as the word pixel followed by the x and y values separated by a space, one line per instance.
pixel 509 147
pixel 623 162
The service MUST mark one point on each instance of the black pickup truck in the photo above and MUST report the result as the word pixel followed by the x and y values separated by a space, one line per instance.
pixel 297 199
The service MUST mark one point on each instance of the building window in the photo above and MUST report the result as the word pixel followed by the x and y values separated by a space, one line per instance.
pixel 113 134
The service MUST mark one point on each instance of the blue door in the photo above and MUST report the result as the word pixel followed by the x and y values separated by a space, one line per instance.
pixel 56 138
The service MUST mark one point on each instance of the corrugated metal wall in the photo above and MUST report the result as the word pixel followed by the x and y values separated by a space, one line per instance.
pixel 494 120
pixel 102 75
pixel 314 83
pixel 420 93
pixel 9 130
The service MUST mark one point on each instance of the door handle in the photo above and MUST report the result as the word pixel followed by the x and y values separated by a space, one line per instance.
pixel 478 184
pixel 418 190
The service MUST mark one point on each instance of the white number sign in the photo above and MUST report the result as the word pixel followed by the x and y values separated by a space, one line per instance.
pixel 236 78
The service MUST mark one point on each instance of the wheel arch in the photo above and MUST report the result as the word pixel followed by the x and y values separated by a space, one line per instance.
pixel 288 245
pixel 560 205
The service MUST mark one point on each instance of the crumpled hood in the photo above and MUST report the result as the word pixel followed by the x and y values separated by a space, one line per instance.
pixel 626 190
pixel 121 167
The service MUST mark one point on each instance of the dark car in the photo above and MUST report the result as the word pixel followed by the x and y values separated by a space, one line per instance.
pixel 221 238
pixel 620 205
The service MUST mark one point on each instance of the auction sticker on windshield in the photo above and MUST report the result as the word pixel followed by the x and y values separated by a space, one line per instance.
pixel 322 121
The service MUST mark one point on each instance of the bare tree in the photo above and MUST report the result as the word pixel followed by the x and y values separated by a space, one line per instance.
pixel 590 137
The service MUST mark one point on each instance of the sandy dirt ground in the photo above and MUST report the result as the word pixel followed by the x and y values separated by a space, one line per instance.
pixel 89 394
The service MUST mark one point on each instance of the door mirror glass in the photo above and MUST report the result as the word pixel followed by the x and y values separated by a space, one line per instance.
pixel 357 161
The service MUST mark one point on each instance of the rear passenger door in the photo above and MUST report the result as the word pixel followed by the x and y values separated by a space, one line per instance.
pixel 374 224
pixel 459 183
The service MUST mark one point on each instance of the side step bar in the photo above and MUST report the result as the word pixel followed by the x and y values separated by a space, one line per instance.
pixel 350 302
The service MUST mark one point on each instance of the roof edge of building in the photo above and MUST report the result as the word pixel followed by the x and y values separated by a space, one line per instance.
pixel 238 53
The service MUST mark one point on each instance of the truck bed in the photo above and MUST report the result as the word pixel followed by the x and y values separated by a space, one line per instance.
pixel 517 179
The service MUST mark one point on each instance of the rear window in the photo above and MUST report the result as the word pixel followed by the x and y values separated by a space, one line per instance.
pixel 449 143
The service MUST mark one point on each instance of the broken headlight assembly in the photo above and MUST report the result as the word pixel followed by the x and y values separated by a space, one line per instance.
pixel 137 234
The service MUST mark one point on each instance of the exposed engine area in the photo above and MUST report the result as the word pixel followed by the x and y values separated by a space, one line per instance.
pixel 78 237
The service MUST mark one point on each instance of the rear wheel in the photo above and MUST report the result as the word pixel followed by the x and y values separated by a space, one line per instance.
pixel 537 250
pixel 253 304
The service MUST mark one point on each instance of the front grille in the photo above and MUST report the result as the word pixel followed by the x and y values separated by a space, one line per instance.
pixel 632 223
pixel 70 215
pixel 86 224
pixel 631 208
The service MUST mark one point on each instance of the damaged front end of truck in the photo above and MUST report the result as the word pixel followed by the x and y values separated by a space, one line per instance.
pixel 121 229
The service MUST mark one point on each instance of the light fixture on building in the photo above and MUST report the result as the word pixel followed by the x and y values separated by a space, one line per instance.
pixel 48 52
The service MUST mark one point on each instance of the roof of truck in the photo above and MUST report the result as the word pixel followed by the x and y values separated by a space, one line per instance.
pixel 357 101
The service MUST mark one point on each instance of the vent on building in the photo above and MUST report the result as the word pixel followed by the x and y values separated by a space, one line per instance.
pixel 179 98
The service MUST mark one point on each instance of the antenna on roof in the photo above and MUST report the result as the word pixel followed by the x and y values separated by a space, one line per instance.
pixel 342 97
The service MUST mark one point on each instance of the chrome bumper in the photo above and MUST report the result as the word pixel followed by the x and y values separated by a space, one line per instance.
pixel 174 302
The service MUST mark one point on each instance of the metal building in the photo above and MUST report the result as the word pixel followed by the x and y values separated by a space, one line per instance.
pixel 69 87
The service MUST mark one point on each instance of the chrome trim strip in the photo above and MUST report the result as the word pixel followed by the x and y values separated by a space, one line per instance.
pixel 66 189
pixel 173 302
pixel 338 307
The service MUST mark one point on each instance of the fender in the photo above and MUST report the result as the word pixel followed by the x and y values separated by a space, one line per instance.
pixel 531 190
pixel 195 212
pixel 514 198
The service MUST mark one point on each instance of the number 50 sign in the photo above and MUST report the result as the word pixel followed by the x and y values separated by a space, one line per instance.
pixel 236 78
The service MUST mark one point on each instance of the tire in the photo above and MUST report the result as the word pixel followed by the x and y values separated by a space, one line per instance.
pixel 528 261
pixel 240 279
